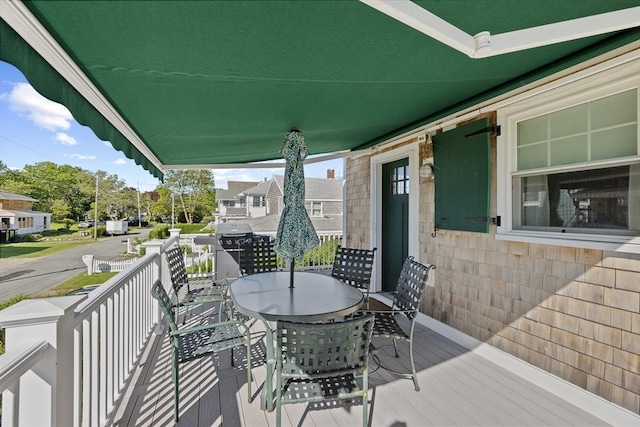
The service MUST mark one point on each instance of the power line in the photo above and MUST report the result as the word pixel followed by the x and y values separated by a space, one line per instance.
pixel 27 148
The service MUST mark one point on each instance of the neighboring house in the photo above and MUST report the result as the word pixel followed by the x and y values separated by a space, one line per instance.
pixel 323 197
pixel 16 213
pixel 528 204
pixel 230 203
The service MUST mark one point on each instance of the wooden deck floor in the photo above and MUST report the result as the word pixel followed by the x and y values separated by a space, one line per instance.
pixel 458 388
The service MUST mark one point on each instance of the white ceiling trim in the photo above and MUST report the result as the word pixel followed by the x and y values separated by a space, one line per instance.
pixel 23 22
pixel 272 165
pixel 484 44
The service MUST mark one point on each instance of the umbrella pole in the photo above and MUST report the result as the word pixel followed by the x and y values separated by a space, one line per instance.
pixel 293 264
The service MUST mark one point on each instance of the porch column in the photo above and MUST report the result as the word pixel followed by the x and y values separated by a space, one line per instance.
pixel 43 394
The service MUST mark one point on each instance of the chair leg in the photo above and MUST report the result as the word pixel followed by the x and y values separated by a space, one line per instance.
pixel 395 347
pixel 413 366
pixel 365 399
pixel 278 401
pixel 176 385
pixel 249 379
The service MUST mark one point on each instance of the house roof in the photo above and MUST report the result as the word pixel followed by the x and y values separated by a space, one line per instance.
pixel 178 85
pixel 258 190
pixel 21 212
pixel 5 195
pixel 269 223
pixel 316 188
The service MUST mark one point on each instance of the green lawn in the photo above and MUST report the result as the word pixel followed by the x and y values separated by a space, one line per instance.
pixel 37 249
pixel 80 281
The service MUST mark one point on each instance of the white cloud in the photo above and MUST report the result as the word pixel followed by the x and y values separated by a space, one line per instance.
pixel 65 139
pixel 26 102
pixel 120 162
pixel 107 144
pixel 81 156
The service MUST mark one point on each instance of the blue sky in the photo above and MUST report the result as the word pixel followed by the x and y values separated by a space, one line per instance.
pixel 34 129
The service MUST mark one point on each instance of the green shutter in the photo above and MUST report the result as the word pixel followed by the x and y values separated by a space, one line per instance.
pixel 462 178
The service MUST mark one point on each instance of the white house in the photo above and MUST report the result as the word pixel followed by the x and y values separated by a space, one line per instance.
pixel 16 213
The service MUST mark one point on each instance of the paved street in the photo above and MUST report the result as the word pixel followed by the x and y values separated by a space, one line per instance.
pixel 33 276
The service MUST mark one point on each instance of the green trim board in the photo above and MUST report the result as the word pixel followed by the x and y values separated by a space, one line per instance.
pixel 205 83
pixel 462 164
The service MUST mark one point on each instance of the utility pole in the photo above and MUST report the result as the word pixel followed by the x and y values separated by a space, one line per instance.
pixel 139 217
pixel 95 212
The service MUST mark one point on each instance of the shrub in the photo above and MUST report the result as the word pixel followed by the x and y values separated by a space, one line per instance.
pixel 68 223
pixel 161 232
pixel 27 238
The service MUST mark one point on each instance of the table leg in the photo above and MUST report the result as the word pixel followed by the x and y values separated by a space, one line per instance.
pixel 266 401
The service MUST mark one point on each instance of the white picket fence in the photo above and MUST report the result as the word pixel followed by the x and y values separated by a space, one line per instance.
pixel 95 265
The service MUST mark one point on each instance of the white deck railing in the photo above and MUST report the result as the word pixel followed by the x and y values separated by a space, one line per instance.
pixel 70 359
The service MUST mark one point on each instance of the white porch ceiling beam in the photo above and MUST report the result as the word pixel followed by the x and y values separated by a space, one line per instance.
pixel 273 165
pixel 23 22
pixel 484 44
pixel 426 22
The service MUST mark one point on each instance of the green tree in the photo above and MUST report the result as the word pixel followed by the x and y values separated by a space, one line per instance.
pixel 60 209
pixel 115 200
pixel 194 191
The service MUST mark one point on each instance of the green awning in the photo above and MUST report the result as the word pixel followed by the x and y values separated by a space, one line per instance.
pixel 205 82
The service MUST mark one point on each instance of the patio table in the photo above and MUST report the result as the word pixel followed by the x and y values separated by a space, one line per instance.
pixel 268 297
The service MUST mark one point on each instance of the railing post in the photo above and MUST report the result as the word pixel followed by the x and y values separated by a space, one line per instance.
pixel 160 272
pixel 46 391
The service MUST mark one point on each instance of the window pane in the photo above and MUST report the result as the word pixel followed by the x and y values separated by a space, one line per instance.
pixel 569 121
pixel 614 110
pixel 532 156
pixel 400 173
pixel 582 200
pixel 612 143
pixel 569 150
pixel 533 130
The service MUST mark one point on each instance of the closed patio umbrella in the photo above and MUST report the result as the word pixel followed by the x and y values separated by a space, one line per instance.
pixel 296 235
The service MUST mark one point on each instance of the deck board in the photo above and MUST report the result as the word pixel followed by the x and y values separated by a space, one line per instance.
pixel 458 388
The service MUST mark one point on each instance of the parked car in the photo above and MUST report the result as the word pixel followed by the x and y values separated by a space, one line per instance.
pixel 85 224
pixel 133 221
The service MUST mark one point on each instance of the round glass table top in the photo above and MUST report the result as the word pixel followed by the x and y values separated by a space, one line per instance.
pixel 314 297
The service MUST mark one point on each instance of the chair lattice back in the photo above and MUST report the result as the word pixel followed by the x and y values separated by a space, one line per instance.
pixel 168 309
pixel 257 255
pixel 317 348
pixel 353 266
pixel 177 268
pixel 410 288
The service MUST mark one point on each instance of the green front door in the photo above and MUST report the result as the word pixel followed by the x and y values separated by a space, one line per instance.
pixel 395 221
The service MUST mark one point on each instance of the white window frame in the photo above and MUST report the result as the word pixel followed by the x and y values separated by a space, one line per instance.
pixel 608 82
pixel 311 204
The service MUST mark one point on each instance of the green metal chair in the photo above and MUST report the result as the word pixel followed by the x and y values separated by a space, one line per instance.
pixel 257 255
pixel 353 267
pixel 406 302
pixel 203 340
pixel 317 362
pixel 191 292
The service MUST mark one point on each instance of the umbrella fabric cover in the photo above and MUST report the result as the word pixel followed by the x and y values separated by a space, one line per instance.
pixel 296 235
